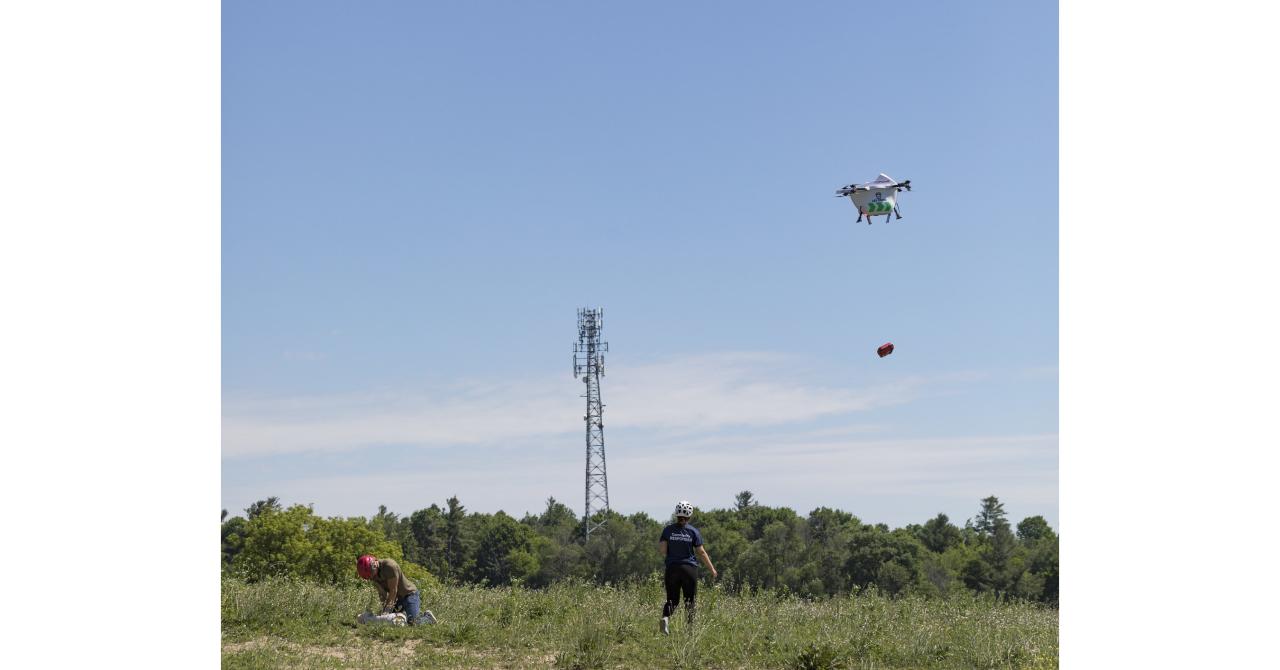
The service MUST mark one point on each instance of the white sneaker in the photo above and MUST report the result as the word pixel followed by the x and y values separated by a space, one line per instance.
pixel 662 626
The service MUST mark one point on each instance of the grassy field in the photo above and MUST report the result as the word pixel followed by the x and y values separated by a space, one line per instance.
pixel 579 627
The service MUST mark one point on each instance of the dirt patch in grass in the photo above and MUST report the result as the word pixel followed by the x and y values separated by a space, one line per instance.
pixel 405 648
pixel 397 654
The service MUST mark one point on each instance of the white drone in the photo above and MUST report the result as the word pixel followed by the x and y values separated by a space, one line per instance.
pixel 876 197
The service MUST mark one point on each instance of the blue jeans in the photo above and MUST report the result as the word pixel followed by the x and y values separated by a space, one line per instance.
pixel 410 605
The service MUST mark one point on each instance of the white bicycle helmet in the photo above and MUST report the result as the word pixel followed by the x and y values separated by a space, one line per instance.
pixel 684 508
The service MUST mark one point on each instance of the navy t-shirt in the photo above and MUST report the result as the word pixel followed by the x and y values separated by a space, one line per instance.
pixel 680 543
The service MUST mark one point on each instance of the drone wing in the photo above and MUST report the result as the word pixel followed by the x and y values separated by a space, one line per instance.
pixel 882 181
pixel 849 190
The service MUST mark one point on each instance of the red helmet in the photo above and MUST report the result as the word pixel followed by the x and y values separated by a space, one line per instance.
pixel 364 566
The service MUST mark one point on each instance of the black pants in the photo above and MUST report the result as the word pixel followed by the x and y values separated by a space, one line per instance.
pixel 681 577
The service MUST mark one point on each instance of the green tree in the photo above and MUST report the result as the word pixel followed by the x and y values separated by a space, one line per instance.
pixel 999 566
pixel 977 575
pixel 755 567
pixel 937 579
pixel 828 525
pixel 334 543
pixel 1043 562
pixel 427 529
pixel 233 534
pixel 1033 528
pixel 871 548
pixel 408 543
pixel 557 561
pixel 503 551
pixel 274 542
pixel 951 567
pixel 557 521
pixel 726 546
pixel 827 552
pixel 297 543
pixel 894 578
pixel 454 547
pixel 992 512
pixel 999 555
pixel 779 545
pixel 1028 585
pixel 386 522
pixel 939 534
pixel 623 548
pixel 271 504
pixel 759 517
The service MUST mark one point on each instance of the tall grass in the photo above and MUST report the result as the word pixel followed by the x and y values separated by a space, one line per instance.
pixel 587 627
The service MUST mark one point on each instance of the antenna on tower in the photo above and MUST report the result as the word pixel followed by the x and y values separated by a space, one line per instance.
pixel 588 364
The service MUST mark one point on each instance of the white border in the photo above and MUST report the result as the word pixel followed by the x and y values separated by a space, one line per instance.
pixel 1168 335
pixel 109 262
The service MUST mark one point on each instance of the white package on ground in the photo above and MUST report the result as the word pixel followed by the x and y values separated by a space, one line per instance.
pixel 395 618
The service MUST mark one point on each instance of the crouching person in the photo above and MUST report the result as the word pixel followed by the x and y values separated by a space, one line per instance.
pixel 396 593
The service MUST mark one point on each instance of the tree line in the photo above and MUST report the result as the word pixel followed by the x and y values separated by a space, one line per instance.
pixel 754 546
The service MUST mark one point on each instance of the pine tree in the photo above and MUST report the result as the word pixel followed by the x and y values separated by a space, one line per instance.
pixel 992 513
pixel 453 534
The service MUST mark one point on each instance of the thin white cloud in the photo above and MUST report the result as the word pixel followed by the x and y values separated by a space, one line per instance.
pixel 808 469
pixel 895 465
pixel 736 389
pixel 804 468
pixel 346 422
pixel 480 489
pixel 696 394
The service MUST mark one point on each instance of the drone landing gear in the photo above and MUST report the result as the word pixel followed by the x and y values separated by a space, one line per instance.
pixel 897 213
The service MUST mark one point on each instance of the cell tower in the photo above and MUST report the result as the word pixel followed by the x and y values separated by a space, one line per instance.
pixel 588 363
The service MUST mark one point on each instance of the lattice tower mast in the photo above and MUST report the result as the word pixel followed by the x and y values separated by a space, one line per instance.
pixel 588 363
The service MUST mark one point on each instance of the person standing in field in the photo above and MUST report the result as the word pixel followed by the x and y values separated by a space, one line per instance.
pixel 679 544
pixel 395 591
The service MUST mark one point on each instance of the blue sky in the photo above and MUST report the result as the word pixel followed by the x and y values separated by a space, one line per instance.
pixel 417 198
